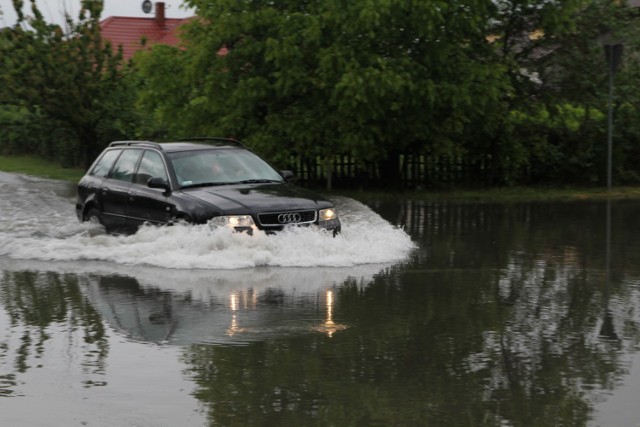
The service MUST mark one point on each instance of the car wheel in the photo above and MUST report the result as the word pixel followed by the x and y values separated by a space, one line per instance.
pixel 94 216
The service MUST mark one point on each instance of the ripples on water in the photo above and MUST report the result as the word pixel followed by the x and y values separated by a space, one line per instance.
pixel 221 283
pixel 86 309
pixel 509 312
pixel 37 223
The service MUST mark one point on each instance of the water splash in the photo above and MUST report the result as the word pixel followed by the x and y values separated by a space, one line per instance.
pixel 38 223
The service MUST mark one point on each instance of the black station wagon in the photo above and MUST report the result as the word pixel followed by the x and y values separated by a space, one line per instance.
pixel 199 180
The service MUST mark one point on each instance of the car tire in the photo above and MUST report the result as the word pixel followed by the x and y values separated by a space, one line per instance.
pixel 94 216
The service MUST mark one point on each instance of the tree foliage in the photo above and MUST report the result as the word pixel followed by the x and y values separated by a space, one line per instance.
pixel 513 87
pixel 514 90
pixel 552 124
pixel 67 83
pixel 320 78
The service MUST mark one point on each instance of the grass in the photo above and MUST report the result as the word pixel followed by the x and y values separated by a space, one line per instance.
pixel 31 165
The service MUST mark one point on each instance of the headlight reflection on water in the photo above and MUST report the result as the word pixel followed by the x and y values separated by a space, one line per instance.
pixel 329 327
pixel 248 301
pixel 234 328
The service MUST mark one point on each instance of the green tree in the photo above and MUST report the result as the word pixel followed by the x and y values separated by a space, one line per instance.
pixel 70 83
pixel 510 86
pixel 320 78
pixel 165 96
pixel 550 126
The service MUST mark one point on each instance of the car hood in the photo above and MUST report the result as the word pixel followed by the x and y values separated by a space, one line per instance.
pixel 255 198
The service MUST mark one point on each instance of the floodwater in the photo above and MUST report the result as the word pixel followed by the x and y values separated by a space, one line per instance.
pixel 419 313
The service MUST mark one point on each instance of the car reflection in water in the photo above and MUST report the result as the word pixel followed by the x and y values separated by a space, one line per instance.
pixel 222 307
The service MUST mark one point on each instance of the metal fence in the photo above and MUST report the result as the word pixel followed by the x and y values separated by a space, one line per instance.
pixel 408 171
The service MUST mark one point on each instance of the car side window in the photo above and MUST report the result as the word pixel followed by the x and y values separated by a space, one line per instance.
pixel 151 166
pixel 103 166
pixel 126 165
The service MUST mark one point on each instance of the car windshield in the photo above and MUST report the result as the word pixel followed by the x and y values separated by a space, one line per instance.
pixel 221 166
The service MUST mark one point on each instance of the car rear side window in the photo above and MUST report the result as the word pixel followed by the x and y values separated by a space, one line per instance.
pixel 126 165
pixel 103 166
pixel 151 166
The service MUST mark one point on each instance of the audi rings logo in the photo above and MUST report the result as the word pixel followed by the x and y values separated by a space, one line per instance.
pixel 289 218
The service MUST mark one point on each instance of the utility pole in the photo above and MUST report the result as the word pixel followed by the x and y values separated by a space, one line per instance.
pixel 613 54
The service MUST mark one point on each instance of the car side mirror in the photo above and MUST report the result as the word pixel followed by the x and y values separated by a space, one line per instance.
pixel 159 183
pixel 287 174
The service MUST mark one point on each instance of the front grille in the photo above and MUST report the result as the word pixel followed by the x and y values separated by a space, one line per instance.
pixel 280 219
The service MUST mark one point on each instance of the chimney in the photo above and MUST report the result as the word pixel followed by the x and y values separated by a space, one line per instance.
pixel 160 18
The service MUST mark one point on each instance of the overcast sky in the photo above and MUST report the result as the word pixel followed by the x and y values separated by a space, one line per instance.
pixel 54 10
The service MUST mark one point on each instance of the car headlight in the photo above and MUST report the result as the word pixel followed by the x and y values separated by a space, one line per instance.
pixel 235 221
pixel 327 214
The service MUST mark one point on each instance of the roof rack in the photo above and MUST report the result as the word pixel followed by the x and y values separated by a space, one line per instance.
pixel 144 143
pixel 213 140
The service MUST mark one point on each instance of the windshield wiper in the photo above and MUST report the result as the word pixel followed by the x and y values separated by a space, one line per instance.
pixel 257 181
pixel 213 184
pixel 206 184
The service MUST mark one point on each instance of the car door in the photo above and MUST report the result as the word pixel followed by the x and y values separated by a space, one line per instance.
pixel 115 189
pixel 90 186
pixel 146 204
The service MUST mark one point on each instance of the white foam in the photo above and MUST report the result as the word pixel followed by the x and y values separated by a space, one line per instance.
pixel 38 224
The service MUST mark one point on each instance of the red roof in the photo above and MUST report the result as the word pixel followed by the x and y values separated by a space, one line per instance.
pixel 130 32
